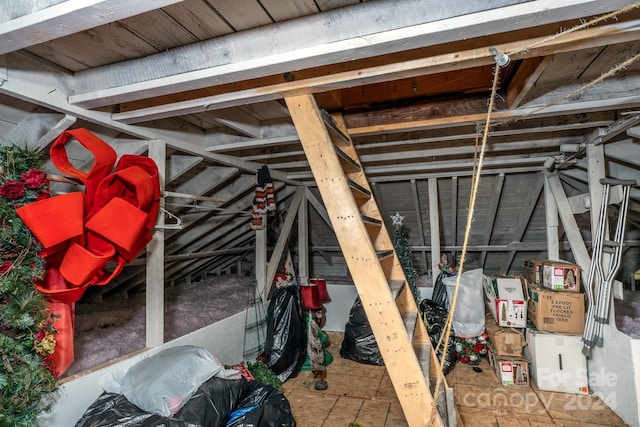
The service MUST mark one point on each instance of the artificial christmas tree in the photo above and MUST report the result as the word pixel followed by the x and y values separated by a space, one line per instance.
pixel 401 246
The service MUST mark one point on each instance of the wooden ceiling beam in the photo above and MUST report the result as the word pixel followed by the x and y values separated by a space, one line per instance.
pixel 528 73
pixel 610 34
pixel 383 27
pixel 27 23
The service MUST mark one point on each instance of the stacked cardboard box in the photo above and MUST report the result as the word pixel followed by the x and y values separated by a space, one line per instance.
pixel 531 270
pixel 510 370
pixel 505 298
pixel 506 341
pixel 560 276
pixel 556 313
pixel 506 318
pixel 553 311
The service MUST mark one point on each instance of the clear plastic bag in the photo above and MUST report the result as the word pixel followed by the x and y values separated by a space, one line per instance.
pixel 164 382
pixel 468 317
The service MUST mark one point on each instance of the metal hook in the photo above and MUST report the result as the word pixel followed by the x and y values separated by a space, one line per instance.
pixel 502 59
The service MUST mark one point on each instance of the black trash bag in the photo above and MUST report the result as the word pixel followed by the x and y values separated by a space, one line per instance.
pixel 210 406
pixel 212 403
pixel 359 343
pixel 435 318
pixel 111 409
pixel 263 406
pixel 284 347
pixel 439 296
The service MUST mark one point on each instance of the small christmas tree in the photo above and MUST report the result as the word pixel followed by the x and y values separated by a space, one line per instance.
pixel 401 246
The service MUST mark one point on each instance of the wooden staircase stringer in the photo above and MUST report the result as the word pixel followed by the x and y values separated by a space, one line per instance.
pixel 369 276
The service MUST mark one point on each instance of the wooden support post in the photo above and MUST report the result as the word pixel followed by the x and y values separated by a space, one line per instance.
pixel 434 223
pixel 551 211
pixel 260 268
pixel 576 242
pixel 278 250
pixel 155 259
pixel 303 240
pixel 416 204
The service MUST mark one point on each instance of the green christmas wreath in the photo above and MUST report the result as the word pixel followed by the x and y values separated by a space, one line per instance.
pixel 27 333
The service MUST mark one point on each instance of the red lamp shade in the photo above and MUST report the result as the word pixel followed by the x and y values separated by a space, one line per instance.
pixel 323 294
pixel 310 298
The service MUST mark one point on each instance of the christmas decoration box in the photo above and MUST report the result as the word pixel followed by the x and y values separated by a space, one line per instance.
pixel 560 276
pixel 552 311
pixel 511 371
pixel 505 341
pixel 505 298
pixel 531 270
pixel 556 362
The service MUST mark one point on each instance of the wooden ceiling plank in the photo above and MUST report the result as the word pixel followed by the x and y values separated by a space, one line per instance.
pixel 44 85
pixel 282 10
pixel 382 27
pixel 627 151
pixel 614 33
pixel 240 121
pixel 199 18
pixel 158 29
pixel 524 79
pixel 527 210
pixel 38 129
pixel 417 208
pixel 494 203
pixel 178 165
pixel 241 14
pixel 68 17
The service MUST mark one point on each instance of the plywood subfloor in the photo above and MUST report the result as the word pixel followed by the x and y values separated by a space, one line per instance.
pixel 363 393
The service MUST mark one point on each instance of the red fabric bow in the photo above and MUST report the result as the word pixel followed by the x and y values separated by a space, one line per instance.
pixel 82 232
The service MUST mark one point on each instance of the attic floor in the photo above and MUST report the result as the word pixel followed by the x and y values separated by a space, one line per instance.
pixel 364 393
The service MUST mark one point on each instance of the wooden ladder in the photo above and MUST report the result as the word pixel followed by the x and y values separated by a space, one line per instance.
pixel 375 268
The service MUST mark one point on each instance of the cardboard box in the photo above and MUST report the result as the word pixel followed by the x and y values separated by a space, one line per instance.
pixel 552 311
pixel 510 370
pixel 505 298
pixel 561 276
pixel 506 342
pixel 556 362
pixel 531 270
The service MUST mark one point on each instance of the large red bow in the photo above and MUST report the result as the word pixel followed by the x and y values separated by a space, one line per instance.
pixel 111 222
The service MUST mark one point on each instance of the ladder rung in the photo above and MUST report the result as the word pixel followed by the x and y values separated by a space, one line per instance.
pixel 396 287
pixel 409 319
pixel 359 190
pixel 348 164
pixel 611 243
pixel 384 254
pixel 333 126
pixel 372 221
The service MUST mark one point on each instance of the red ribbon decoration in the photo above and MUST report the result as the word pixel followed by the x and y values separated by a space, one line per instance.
pixel 82 232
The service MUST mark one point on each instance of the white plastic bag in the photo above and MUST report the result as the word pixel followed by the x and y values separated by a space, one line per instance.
pixel 164 382
pixel 468 318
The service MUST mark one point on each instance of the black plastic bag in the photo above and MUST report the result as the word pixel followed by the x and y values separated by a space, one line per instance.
pixel 439 296
pixel 285 342
pixel 210 406
pixel 435 318
pixel 263 406
pixel 359 343
pixel 213 402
